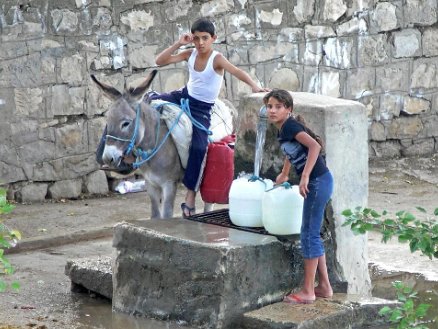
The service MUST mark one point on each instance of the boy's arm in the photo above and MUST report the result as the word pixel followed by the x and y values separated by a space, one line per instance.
pixel 167 56
pixel 221 63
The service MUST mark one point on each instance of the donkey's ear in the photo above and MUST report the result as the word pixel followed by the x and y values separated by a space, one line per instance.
pixel 138 92
pixel 108 91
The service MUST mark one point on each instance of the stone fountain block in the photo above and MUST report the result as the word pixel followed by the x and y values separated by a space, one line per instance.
pixel 200 273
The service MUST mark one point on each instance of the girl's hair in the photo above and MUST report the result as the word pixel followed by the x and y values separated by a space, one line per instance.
pixel 203 24
pixel 283 96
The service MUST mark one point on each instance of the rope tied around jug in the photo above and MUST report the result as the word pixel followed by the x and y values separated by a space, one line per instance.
pixel 255 178
pixel 286 185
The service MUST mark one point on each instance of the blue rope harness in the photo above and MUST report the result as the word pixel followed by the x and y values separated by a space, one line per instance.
pixel 186 109
pixel 144 156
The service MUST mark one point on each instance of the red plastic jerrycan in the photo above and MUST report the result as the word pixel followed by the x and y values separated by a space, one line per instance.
pixel 219 171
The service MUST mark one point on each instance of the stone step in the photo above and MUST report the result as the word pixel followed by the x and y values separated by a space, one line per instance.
pixel 94 274
pixel 341 311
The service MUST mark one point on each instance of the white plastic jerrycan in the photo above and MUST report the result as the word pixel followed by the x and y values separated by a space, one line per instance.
pixel 282 208
pixel 245 200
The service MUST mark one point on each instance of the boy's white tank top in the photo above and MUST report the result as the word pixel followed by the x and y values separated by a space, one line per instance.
pixel 206 85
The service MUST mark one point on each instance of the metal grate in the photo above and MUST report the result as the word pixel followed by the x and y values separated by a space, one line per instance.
pixel 221 217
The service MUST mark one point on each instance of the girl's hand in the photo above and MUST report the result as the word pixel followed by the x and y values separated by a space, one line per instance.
pixel 185 39
pixel 281 178
pixel 303 186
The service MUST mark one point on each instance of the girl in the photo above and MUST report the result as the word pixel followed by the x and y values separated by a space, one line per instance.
pixel 302 149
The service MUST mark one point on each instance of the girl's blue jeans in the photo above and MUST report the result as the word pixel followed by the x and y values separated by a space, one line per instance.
pixel 320 191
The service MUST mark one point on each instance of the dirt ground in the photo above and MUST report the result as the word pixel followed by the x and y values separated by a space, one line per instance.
pixel 45 300
pixel 404 184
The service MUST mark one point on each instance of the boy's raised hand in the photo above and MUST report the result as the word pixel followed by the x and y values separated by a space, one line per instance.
pixel 186 38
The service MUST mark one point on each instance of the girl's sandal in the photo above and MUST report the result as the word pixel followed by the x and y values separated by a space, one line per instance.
pixel 295 300
pixel 187 211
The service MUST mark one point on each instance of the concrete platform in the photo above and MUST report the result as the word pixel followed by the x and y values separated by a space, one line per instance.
pixel 213 277
pixel 341 311
pixel 203 274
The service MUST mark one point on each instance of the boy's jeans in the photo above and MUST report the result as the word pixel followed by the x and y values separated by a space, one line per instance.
pixel 198 148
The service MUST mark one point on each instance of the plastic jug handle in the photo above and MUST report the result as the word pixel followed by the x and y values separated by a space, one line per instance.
pixel 286 185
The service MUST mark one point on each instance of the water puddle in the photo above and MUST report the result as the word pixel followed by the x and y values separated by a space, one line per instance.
pixel 96 313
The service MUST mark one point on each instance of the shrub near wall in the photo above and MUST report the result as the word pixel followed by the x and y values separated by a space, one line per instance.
pixel 383 54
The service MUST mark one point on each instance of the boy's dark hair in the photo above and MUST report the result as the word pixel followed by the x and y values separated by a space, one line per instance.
pixel 283 96
pixel 203 25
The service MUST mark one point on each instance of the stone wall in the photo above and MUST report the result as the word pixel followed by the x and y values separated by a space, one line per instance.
pixel 382 54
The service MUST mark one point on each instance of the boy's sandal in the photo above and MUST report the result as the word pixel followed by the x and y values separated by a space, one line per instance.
pixel 187 211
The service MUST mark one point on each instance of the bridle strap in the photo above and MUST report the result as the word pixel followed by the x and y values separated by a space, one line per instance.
pixel 131 141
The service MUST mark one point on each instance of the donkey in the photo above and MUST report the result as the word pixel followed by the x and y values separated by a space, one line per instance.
pixel 132 125
pixel 162 171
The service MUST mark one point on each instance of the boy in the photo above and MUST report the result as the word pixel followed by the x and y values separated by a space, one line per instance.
pixel 206 69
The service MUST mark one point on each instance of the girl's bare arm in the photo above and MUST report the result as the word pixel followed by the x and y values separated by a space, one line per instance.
pixel 313 151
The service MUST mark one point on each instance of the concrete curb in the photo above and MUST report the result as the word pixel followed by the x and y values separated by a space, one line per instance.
pixel 42 242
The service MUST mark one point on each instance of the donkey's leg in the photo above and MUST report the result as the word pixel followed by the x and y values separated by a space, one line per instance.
pixel 169 194
pixel 154 193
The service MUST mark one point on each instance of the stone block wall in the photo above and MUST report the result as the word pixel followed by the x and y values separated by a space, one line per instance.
pixel 380 53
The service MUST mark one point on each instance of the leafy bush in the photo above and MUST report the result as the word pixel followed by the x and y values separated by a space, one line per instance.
pixel 8 239
pixel 422 236
pixel 407 315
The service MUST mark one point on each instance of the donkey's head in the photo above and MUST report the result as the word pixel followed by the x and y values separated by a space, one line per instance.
pixel 125 127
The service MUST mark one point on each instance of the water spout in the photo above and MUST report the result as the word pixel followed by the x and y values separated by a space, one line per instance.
pixel 260 139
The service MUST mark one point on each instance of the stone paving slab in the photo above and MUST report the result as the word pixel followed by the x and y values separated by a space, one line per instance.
pixel 341 311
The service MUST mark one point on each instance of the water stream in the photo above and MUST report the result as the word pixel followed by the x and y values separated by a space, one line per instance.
pixel 260 140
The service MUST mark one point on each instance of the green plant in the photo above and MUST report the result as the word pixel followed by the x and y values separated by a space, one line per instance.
pixel 8 238
pixel 407 315
pixel 422 234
